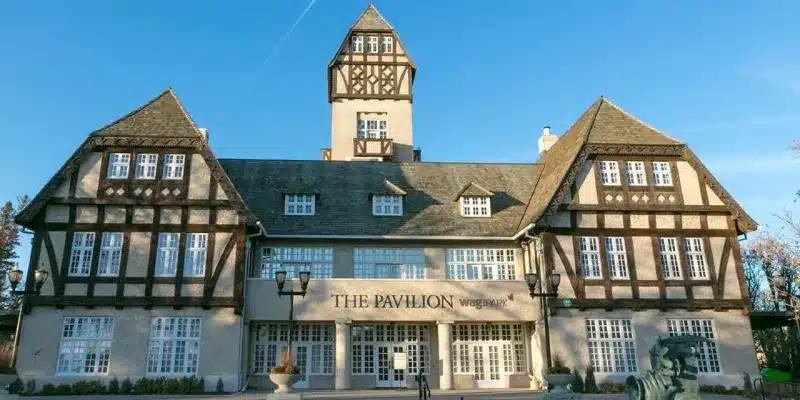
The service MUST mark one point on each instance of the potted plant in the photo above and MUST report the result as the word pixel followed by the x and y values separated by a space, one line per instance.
pixel 285 374
pixel 558 375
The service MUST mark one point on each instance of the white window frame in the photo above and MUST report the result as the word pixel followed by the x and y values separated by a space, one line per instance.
pixel 375 263
pixel 709 362
pixel 119 165
pixel 589 254
pixel 174 166
pixel 413 338
pixel 196 253
pixel 85 347
pixel 662 174
pixel 509 337
pixel 357 44
pixel 80 259
pixel 110 254
pixel 476 206
pixel 480 264
pixel 179 332
pixel 387 205
pixel 696 264
pixel 293 260
pixel 616 257
pixel 635 173
pixel 272 338
pixel 146 166
pixel 372 128
pixel 372 44
pixel 387 44
pixel 609 173
pixel 300 204
pixel 612 346
pixel 167 254
pixel 670 258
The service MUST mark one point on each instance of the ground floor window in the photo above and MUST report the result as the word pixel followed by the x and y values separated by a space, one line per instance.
pixel 85 346
pixel 312 347
pixel 612 345
pixel 374 347
pixel 174 347
pixel 708 357
pixel 488 351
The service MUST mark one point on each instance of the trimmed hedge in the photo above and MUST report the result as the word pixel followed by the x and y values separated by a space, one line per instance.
pixel 143 386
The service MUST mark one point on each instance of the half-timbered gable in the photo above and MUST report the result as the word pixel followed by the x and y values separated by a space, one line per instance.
pixel 141 215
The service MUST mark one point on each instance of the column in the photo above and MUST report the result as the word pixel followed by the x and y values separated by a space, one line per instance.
pixel 343 351
pixel 445 334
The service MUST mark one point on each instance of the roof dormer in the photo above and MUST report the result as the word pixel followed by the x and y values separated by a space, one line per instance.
pixel 475 201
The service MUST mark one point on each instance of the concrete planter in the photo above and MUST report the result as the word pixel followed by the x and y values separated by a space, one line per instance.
pixel 284 381
pixel 559 381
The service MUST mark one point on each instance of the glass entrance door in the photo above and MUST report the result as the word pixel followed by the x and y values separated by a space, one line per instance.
pixel 486 359
pixel 388 376
pixel 301 352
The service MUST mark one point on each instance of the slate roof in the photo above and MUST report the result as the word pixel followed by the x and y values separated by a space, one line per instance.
pixel 163 117
pixel 344 189
pixel 371 20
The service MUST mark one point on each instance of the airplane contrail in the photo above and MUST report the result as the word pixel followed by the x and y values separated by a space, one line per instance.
pixel 289 32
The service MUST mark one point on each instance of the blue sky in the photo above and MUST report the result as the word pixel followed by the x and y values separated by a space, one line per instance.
pixel 723 76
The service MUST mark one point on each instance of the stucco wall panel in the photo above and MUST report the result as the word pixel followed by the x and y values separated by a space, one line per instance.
pixel 89 176
pixel 57 214
pixel 644 255
pixel 690 185
pixel 587 184
pixel 138 254
pixel 199 179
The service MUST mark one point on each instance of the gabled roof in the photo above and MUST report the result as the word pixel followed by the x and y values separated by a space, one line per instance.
pixel 161 122
pixel 473 189
pixel 371 20
pixel 605 123
pixel 390 189
pixel 345 190
pixel 162 116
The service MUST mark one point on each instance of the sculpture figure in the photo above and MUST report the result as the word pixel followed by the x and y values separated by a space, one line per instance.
pixel 673 376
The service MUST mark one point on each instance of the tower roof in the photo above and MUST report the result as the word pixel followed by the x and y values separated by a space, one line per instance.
pixel 371 20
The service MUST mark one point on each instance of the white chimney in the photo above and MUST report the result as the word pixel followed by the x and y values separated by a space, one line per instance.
pixel 547 140
pixel 204 133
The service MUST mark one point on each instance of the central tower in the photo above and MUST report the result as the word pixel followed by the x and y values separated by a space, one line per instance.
pixel 370 81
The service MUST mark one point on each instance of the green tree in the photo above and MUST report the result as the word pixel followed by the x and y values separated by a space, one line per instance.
pixel 9 240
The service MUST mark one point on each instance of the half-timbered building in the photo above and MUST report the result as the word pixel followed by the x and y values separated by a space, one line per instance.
pixel 162 257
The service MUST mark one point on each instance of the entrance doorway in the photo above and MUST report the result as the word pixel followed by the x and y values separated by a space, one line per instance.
pixel 489 352
pixel 388 375
pixel 487 365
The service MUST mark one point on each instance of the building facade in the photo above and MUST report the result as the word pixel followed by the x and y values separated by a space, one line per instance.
pixel 162 257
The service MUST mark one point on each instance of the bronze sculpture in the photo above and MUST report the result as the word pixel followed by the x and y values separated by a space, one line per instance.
pixel 673 376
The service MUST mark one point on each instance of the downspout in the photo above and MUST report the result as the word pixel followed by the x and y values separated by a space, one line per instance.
pixel 244 378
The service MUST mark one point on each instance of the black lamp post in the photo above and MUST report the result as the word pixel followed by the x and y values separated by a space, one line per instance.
pixel 280 280
pixel 532 279
pixel 39 278
pixel 14 277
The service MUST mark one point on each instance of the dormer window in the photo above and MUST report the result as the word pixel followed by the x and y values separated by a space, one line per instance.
pixel 357 44
pixel 476 206
pixel 299 204
pixel 387 205
pixel 118 165
pixel 662 176
pixel 372 44
pixel 387 45
pixel 609 173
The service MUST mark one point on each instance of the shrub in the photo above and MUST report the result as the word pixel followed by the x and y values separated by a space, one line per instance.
pixel 590 385
pixel 143 386
pixel 220 386
pixel 82 388
pixel 48 389
pixel 577 382
pixel 286 365
pixel 16 387
pixel 558 366
pixel 126 386
pixel 63 389
pixel 201 386
pixel 30 386
pixel 612 387
pixel 748 383
pixel 113 386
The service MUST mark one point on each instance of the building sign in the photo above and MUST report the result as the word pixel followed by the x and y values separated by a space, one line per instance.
pixel 416 301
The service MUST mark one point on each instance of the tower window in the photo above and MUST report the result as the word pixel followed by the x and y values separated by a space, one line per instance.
pixel 372 44
pixel 388 44
pixel 372 126
pixel 357 44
